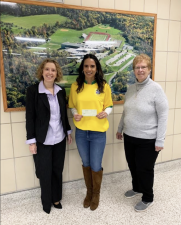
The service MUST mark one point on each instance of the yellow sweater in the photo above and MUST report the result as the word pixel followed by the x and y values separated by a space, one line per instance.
pixel 90 98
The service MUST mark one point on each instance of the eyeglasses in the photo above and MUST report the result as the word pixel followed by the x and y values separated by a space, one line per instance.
pixel 141 67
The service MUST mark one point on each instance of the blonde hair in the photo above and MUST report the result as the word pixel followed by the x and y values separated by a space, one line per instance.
pixel 140 58
pixel 39 73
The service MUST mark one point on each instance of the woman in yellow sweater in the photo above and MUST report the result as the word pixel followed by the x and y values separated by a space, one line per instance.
pixel 90 102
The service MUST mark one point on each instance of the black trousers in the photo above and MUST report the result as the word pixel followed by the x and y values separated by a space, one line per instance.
pixel 141 156
pixel 49 163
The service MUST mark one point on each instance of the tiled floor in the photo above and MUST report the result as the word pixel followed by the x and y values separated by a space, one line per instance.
pixel 24 208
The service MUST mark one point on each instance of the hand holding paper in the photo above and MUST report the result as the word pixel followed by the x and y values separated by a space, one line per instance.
pixel 77 117
pixel 102 115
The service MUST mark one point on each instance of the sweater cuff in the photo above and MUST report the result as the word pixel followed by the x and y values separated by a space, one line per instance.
pixel 159 143
pixel 120 130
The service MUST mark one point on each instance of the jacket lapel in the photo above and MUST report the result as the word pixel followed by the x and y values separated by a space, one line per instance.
pixel 45 100
pixel 61 102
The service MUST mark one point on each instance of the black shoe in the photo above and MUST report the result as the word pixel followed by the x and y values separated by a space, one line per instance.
pixel 58 206
pixel 46 210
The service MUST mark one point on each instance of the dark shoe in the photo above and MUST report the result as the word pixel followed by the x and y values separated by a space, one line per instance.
pixel 97 180
pixel 142 206
pixel 47 210
pixel 58 206
pixel 131 194
pixel 88 182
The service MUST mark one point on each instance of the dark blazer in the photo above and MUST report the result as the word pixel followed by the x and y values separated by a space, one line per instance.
pixel 38 113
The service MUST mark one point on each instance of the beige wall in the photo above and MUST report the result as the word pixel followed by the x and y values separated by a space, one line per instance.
pixel 17 168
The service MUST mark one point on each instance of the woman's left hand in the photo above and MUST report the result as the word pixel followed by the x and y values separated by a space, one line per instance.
pixel 69 139
pixel 157 149
pixel 102 115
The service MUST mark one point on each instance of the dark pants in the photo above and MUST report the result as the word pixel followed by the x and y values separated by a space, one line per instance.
pixel 141 156
pixel 49 163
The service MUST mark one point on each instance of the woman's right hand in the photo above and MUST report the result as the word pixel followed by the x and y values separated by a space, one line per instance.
pixel 119 136
pixel 33 148
pixel 77 117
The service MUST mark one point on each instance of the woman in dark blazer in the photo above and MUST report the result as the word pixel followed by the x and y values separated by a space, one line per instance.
pixel 47 128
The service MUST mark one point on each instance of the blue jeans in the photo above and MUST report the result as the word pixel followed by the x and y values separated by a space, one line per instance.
pixel 91 146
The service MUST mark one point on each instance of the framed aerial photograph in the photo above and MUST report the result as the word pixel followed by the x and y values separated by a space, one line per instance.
pixel 32 31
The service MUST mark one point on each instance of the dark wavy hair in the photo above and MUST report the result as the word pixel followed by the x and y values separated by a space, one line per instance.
pixel 99 76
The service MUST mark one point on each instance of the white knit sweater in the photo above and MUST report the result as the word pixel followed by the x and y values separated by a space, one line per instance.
pixel 145 112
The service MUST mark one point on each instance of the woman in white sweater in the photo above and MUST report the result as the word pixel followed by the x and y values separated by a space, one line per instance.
pixel 143 125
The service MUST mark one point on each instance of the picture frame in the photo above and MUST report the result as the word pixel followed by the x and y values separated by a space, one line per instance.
pixel 32 31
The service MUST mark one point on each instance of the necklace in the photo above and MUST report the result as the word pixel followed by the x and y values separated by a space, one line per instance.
pixel 138 90
pixel 141 86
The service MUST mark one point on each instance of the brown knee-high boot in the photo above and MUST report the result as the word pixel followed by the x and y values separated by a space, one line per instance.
pixel 88 182
pixel 97 180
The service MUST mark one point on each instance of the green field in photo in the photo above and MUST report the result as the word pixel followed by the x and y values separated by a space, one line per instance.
pixel 111 64
pixel 62 34
pixel 36 20
pixel 97 37
pixel 69 79
pixel 108 77
pixel 116 68
pixel 74 36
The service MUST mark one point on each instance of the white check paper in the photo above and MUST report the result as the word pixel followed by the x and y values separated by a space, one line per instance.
pixel 89 112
